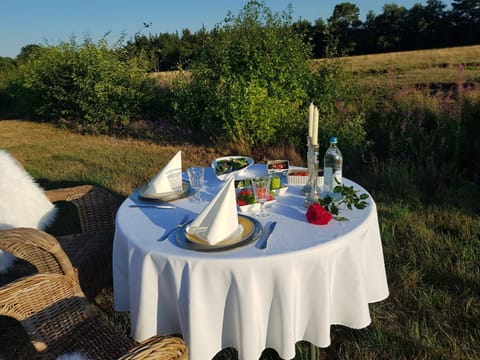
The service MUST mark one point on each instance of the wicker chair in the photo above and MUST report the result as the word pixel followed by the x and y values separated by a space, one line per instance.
pixel 59 319
pixel 90 252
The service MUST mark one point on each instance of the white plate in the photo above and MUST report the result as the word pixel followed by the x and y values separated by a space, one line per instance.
pixel 201 236
pixel 252 229
pixel 165 197
pixel 235 173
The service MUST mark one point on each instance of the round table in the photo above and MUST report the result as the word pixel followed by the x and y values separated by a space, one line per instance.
pixel 308 278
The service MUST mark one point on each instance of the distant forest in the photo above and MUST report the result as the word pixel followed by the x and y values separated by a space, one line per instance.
pixel 395 29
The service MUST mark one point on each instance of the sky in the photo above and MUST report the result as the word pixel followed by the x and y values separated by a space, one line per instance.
pixel 25 22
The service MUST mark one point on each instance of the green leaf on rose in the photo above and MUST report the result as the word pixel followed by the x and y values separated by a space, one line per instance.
pixel 349 197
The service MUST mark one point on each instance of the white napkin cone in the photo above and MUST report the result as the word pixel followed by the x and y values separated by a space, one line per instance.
pixel 220 217
pixel 169 179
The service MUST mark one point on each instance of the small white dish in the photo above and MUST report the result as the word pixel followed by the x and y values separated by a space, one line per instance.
pixel 256 206
pixel 224 167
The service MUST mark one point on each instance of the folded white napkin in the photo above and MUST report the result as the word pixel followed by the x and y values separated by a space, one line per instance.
pixel 219 219
pixel 169 179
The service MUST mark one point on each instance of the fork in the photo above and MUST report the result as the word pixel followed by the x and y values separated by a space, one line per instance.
pixel 182 223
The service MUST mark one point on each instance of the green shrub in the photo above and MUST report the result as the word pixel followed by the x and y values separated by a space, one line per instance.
pixel 88 86
pixel 342 113
pixel 250 82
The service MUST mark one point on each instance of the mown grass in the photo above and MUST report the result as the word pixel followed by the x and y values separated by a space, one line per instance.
pixel 431 241
pixel 57 156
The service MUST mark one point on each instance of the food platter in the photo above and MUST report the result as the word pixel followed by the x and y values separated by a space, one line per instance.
pixel 251 230
pixel 139 193
pixel 227 166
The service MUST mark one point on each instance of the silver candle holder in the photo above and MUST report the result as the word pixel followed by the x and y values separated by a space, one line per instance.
pixel 311 160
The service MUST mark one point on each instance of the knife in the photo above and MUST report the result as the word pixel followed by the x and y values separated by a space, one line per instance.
pixel 267 236
pixel 154 206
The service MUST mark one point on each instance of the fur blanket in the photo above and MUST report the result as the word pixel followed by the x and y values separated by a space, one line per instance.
pixel 22 202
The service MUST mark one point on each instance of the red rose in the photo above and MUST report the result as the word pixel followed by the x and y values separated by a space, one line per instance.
pixel 316 214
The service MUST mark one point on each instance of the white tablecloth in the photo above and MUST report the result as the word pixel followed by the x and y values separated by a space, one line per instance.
pixel 308 278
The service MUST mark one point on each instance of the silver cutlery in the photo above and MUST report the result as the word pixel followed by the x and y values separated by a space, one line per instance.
pixel 183 222
pixel 269 231
pixel 153 206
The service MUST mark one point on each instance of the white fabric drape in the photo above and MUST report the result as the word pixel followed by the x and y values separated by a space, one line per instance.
pixel 307 279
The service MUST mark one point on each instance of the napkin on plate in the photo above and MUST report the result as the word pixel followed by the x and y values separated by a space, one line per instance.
pixel 219 219
pixel 169 179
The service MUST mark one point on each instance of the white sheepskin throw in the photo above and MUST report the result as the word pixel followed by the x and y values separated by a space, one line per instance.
pixel 22 202
pixel 72 356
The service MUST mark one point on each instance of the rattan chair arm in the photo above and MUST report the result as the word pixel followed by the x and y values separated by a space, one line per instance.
pixel 38 248
pixel 96 206
pixel 69 193
pixel 160 348
pixel 35 299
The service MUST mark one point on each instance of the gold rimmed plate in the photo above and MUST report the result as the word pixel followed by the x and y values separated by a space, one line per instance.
pixel 139 193
pixel 251 231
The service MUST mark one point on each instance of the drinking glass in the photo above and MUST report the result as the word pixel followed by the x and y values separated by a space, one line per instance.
pixel 276 184
pixel 195 175
pixel 175 179
pixel 261 190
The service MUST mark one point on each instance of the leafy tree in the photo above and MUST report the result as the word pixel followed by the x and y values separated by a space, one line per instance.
pixel 438 27
pixel 466 11
pixel 389 26
pixel 367 42
pixel 162 51
pixel 7 64
pixel 423 26
pixel 343 23
pixel 465 18
pixel 8 68
pixel 249 83
pixel 27 51
pixel 305 29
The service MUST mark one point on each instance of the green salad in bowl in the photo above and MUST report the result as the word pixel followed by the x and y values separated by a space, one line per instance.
pixel 227 166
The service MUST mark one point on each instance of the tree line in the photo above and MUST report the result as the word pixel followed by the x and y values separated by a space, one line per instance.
pixel 396 28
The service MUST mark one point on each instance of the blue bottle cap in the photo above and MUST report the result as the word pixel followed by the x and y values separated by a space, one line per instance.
pixel 333 140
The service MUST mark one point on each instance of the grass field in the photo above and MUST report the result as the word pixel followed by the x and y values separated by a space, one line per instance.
pixel 423 68
pixel 439 67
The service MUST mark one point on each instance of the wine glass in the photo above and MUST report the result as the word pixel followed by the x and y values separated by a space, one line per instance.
pixel 195 175
pixel 261 190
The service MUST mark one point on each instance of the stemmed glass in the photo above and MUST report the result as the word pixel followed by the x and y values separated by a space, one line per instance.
pixel 195 175
pixel 261 190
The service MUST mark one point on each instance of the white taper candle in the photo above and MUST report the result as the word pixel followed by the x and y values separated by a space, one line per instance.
pixel 310 119
pixel 315 126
